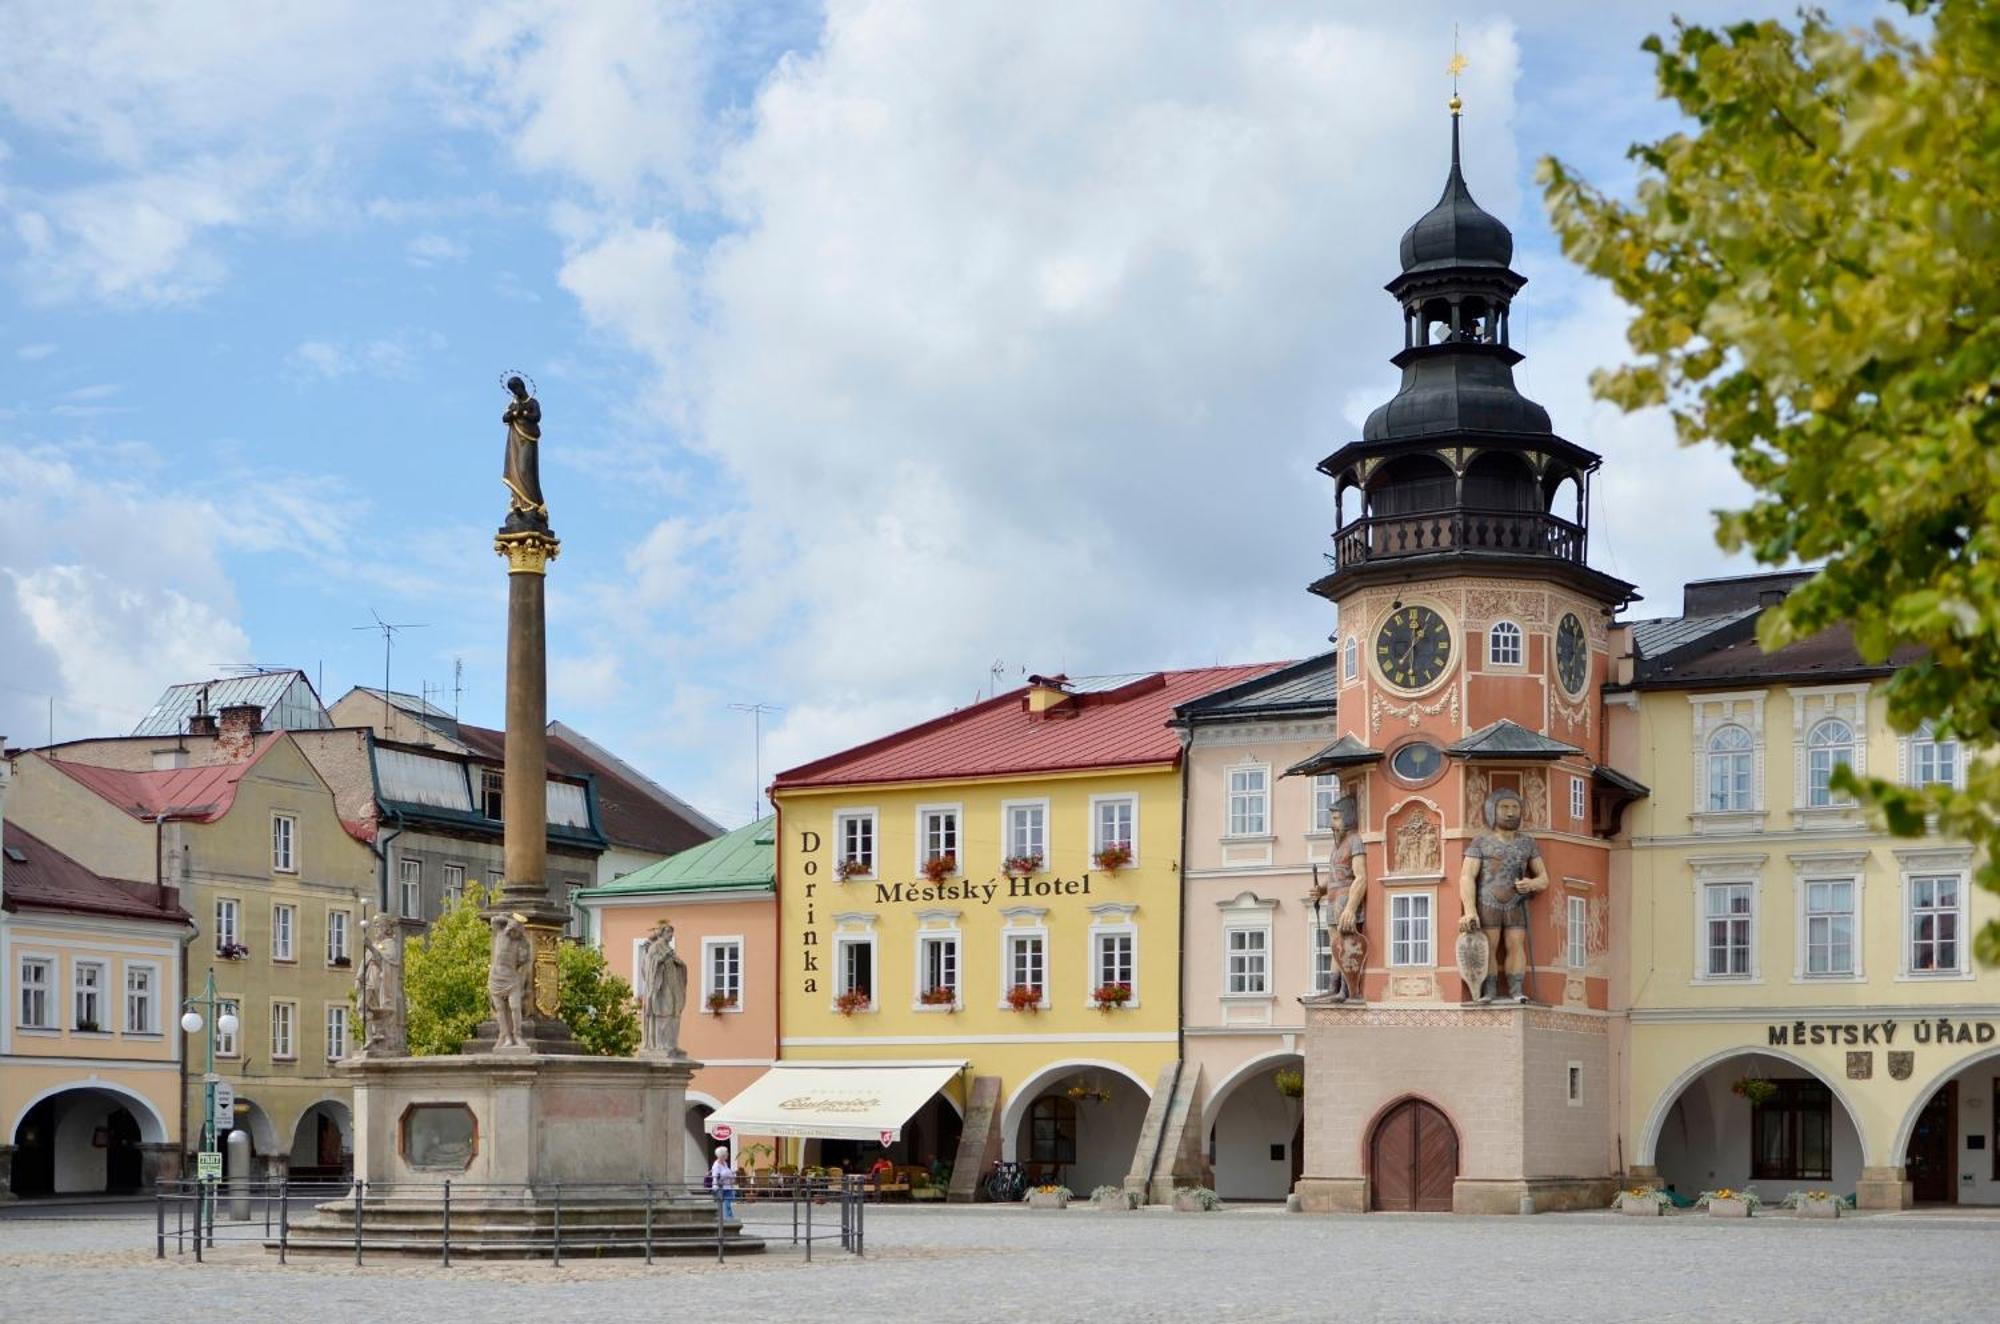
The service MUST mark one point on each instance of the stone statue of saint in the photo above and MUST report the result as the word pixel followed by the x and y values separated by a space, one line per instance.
pixel 1503 868
pixel 509 981
pixel 523 471
pixel 384 1023
pixel 1346 889
pixel 664 976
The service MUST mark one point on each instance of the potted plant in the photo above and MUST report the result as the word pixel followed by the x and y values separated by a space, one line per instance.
pixel 1049 1196
pixel 1114 1199
pixel 1814 1204
pixel 851 867
pixel 1088 1093
pixel 1020 866
pixel 232 951
pixel 1110 997
pixel 939 996
pixel 1643 1201
pixel 940 867
pixel 341 962
pixel 719 1002
pixel 1115 856
pixel 86 1027
pixel 1753 1088
pixel 1291 1082
pixel 1024 997
pixel 1196 1200
pixel 1729 1203
pixel 853 1000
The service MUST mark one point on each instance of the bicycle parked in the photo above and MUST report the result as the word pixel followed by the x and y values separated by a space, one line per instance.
pixel 1007 1183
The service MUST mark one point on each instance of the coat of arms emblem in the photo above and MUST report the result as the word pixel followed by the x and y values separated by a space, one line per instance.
pixel 1902 1063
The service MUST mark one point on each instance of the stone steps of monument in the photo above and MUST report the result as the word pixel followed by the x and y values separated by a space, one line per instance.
pixel 514 1238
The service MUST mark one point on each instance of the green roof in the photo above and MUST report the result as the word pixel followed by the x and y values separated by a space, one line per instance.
pixel 741 861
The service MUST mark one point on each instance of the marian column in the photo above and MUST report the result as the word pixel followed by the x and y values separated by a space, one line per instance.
pixel 527 925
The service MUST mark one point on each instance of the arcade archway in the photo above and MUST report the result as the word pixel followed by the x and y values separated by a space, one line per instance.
pixel 1256 1134
pixel 323 1143
pixel 86 1140
pixel 1949 1141
pixel 1076 1124
pixel 1757 1120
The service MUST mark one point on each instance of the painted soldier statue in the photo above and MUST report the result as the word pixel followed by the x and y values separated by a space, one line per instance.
pixel 664 976
pixel 523 470
pixel 1346 890
pixel 1503 869
pixel 510 980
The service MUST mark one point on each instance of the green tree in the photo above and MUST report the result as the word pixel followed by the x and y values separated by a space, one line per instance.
pixel 1811 267
pixel 444 982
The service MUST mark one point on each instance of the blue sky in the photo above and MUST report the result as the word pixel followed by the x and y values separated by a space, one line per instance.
pixel 878 344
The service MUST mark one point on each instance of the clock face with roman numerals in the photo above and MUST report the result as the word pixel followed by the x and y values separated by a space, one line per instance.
pixel 1413 647
pixel 1572 654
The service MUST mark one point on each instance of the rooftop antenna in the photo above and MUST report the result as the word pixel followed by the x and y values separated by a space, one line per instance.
pixel 388 648
pixel 993 674
pixel 757 711
pixel 457 685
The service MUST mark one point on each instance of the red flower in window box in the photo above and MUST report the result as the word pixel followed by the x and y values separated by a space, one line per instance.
pixel 939 997
pixel 232 951
pixel 1024 997
pixel 940 867
pixel 1109 997
pixel 1020 866
pixel 720 1002
pixel 1115 856
pixel 851 867
pixel 853 1000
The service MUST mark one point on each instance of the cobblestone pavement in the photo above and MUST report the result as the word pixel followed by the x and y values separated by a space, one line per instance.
pixel 1005 1264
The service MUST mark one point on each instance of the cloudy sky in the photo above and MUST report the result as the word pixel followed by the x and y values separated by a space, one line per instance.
pixel 882 346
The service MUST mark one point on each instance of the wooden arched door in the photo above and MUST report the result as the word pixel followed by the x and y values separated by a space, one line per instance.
pixel 1413 1160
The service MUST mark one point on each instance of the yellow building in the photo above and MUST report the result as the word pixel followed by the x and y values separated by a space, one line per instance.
pixel 241 823
pixel 89 1054
pixel 998 890
pixel 1805 1009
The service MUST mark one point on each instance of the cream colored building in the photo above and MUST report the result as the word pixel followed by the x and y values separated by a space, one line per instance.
pixel 89 1054
pixel 248 831
pixel 1804 1007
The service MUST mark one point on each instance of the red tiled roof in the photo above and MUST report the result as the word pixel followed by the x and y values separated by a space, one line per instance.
pixel 203 794
pixel 1000 737
pixel 46 879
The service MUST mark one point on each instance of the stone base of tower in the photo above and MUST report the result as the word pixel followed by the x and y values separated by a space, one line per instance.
pixel 1471 1110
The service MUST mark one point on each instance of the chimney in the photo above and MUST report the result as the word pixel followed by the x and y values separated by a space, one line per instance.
pixel 1045 693
pixel 237 729
pixel 201 724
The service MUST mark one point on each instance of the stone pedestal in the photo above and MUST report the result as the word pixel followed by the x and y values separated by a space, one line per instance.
pixel 1882 1188
pixel 162 1163
pixel 6 1174
pixel 1501 1079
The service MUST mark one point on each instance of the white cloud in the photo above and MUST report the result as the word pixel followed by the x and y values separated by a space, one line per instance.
pixel 630 281
pixel 432 250
pixel 34 353
pixel 392 356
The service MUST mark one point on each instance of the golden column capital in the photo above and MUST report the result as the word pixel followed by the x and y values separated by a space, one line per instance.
pixel 528 552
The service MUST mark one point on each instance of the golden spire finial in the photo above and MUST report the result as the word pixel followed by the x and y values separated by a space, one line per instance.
pixel 1455 68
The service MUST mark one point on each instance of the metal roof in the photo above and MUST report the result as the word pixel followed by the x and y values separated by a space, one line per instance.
pixel 41 877
pixel 286 699
pixel 746 859
pixel 1346 752
pixel 1509 740
pixel 203 793
pixel 1311 685
pixel 1663 635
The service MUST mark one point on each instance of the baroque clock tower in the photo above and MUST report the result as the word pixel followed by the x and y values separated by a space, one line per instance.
pixel 1472 648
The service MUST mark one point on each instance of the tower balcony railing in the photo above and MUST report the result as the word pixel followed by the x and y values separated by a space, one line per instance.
pixel 1420 533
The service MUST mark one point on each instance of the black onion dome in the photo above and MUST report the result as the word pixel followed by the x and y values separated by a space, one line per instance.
pixel 1456 232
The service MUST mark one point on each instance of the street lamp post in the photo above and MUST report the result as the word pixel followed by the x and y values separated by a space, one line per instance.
pixel 191 1021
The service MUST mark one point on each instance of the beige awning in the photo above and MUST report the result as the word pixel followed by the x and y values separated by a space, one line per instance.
pixel 834 1100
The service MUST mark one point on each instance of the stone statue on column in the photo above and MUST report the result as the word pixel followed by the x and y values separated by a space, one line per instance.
pixel 1346 892
pixel 379 989
pixel 510 981
pixel 1503 868
pixel 664 979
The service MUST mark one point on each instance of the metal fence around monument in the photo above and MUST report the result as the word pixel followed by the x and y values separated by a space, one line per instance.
pixel 654 1219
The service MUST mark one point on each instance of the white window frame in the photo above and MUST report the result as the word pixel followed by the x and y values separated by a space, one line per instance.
pixel 336 1013
pixel 1739 767
pixel 48 986
pixel 1418 943
pixel 924 816
pixel 149 1021
pixel 1110 920
pixel 841 820
pixel 1251 977
pixel 284 931
pixel 1012 939
pixel 1506 645
pixel 1811 914
pixel 1812 708
pixel 454 882
pixel 101 971
pixel 409 877
pixel 1921 746
pixel 1710 713
pixel 226 1044
pixel 1350 660
pixel 1579 800
pixel 710 947
pixel 1322 973
pixel 843 941
pixel 284 843
pixel 285 1018
pixel 228 923
pixel 1008 840
pixel 1819 792
pixel 1918 863
pixel 1707 915
pixel 1246 827
pixel 1097 805
pixel 1325 795
pixel 1573 1082
pixel 926 939
pixel 1576 931
pixel 339 924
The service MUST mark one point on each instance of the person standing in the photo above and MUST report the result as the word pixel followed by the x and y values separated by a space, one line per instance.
pixel 722 1180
